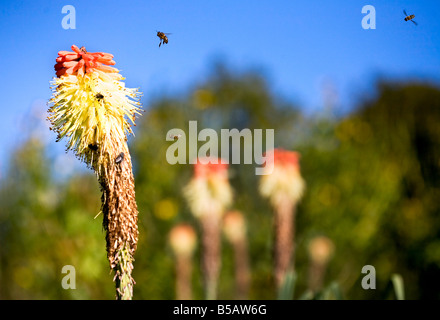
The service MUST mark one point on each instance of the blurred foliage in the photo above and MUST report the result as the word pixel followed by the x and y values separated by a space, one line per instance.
pixel 373 187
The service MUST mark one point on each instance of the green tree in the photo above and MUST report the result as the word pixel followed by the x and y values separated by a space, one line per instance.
pixel 373 188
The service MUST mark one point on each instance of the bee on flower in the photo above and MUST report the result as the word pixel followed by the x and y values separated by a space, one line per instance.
pixel 90 104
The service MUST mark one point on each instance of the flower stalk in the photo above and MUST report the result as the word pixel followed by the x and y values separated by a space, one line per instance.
pixel 208 195
pixel 320 250
pixel 93 110
pixel 234 228
pixel 284 187
pixel 183 241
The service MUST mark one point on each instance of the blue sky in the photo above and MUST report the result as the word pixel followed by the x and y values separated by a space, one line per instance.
pixel 298 45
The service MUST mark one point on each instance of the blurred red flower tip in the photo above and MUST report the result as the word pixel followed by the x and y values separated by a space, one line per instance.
pixel 80 62
pixel 208 167
pixel 283 157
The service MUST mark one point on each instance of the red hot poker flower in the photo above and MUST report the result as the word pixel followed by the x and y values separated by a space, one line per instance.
pixel 80 62
pixel 284 187
pixel 209 191
pixel 283 178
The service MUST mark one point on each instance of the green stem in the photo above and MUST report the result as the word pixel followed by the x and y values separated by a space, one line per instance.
pixel 123 269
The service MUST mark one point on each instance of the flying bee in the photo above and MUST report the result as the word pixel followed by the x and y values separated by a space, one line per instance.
pixel 163 37
pixel 409 17
pixel 174 136
pixel 119 158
